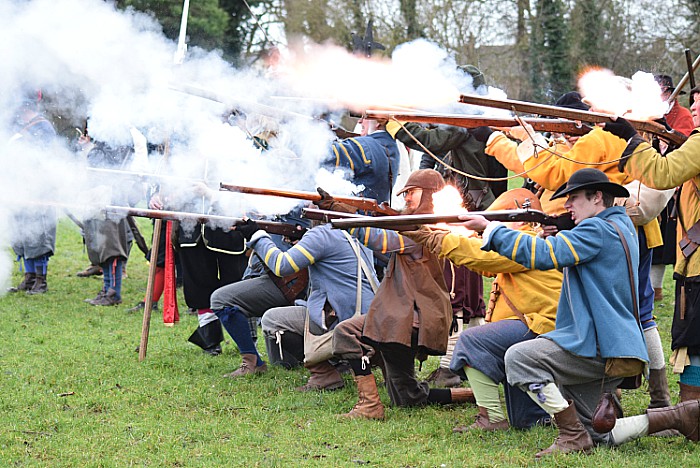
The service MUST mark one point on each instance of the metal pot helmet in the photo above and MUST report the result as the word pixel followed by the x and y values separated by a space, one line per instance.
pixel 430 181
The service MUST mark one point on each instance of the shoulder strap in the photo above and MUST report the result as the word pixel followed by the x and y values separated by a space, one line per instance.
pixel 629 267
pixel 360 266
pixel 365 268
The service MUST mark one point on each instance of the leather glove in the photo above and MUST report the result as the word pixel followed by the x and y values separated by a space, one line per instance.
pixel 663 122
pixel 327 202
pixel 430 238
pixel 247 228
pixel 620 128
pixel 481 134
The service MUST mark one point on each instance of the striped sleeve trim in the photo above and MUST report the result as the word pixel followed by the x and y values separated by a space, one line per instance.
pixel 337 156
pixel 384 241
pixel 534 252
pixel 347 155
pixel 306 253
pixel 515 247
pixel 551 253
pixel 362 151
pixel 402 244
pixel 571 247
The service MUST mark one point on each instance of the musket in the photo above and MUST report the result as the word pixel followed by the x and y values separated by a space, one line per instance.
pixel 684 80
pixel 361 203
pixel 569 127
pixel 274 227
pixel 326 216
pixel 572 114
pixel 412 222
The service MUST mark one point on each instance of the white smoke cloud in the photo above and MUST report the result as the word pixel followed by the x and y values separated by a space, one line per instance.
pixel 116 68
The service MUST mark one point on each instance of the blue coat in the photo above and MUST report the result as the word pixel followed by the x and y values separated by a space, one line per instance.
pixel 595 316
pixel 332 269
pixel 373 160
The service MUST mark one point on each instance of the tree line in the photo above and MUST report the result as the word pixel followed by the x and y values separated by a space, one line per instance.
pixel 533 49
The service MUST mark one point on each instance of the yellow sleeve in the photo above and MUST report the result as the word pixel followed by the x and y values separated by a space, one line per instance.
pixel 505 151
pixel 551 170
pixel 466 251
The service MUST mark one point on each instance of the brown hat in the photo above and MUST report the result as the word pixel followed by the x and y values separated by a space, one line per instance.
pixel 516 199
pixel 426 179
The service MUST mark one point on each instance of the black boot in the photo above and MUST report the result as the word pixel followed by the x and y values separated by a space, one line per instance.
pixel 209 337
pixel 288 353
pixel 39 286
pixel 26 284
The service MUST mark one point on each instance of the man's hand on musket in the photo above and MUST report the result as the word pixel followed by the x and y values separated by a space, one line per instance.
pixel 156 202
pixel 547 231
pixel 620 128
pixel 247 228
pixel 474 222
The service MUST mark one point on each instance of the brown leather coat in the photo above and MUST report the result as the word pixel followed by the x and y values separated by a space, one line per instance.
pixel 414 285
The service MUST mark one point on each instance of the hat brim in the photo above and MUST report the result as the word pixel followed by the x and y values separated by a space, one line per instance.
pixel 612 188
pixel 406 189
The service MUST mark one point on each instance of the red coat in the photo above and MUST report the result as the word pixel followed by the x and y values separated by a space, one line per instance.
pixel 680 119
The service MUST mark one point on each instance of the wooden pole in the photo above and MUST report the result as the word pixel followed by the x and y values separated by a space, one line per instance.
pixel 684 80
pixel 146 326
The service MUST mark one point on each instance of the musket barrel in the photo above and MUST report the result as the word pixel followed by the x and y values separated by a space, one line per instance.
pixel 570 127
pixel 572 114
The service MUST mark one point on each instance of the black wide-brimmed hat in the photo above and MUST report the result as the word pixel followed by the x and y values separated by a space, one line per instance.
pixel 666 83
pixel 593 179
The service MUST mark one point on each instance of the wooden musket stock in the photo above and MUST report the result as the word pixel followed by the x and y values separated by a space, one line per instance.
pixel 274 227
pixel 411 222
pixel 572 114
pixel 366 204
pixel 569 127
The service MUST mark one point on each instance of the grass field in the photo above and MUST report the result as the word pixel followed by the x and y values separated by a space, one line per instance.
pixel 73 393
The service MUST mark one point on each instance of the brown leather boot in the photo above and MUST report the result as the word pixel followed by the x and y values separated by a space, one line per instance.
pixel 689 392
pixel 368 405
pixel 658 389
pixel 248 366
pixel 323 377
pixel 483 423
pixel 658 294
pixel 39 286
pixel 573 437
pixel 462 395
pixel 26 284
pixel 684 417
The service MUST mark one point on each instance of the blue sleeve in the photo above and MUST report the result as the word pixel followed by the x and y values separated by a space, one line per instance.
pixel 310 249
pixel 566 249
pixel 384 240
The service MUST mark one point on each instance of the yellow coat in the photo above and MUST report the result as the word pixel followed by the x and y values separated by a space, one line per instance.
pixel 681 166
pixel 534 293
pixel 505 151
pixel 552 167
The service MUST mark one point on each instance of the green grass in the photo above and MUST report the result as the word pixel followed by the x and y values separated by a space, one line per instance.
pixel 174 409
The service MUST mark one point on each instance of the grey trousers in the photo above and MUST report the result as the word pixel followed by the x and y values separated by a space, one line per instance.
pixel 252 296
pixel 541 361
pixel 288 319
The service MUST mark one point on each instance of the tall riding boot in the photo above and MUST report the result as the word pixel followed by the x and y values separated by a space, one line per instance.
pixel 26 283
pixel 689 392
pixel 368 405
pixel 684 417
pixel 209 337
pixel 573 437
pixel 39 286
pixel 249 365
pixel 323 377
pixel 658 389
